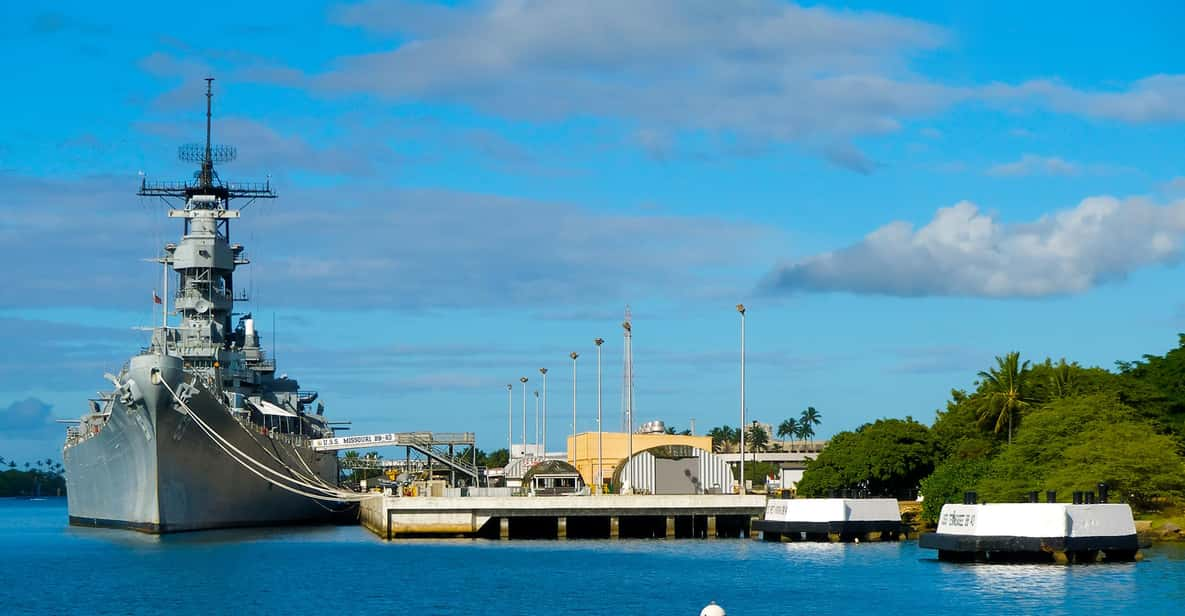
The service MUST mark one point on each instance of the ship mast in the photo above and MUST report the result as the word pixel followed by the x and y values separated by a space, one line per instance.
pixel 205 259
pixel 207 176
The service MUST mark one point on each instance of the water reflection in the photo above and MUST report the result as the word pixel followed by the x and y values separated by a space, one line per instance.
pixel 129 538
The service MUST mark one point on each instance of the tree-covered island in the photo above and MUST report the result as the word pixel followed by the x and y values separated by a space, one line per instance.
pixel 1023 427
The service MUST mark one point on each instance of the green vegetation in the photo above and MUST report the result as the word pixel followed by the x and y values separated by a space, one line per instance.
pixel 885 458
pixel 1026 427
pixel 1074 443
pixel 1002 394
pixel 807 422
pixel 724 438
pixel 760 472
pixel 497 458
pixel 43 476
pixel 948 482
pixel 756 439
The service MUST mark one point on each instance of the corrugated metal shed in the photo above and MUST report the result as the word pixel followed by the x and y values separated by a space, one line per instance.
pixel 675 469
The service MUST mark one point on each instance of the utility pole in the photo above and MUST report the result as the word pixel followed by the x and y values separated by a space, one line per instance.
pixel 543 371
pixel 629 394
pixel 741 309
pixel 509 420
pixel 574 355
pixel 524 382
pixel 600 475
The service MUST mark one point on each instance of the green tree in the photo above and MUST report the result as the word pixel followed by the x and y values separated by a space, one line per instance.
pixel 1075 443
pixel 756 439
pixel 807 422
pixel 947 484
pixel 788 428
pixel 888 457
pixel 1155 385
pixel 723 437
pixel 494 459
pixel 1002 394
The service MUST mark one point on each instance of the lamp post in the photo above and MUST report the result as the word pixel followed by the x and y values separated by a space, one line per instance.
pixel 536 419
pixel 574 355
pixel 600 475
pixel 629 396
pixel 741 309
pixel 509 420
pixel 524 382
pixel 543 371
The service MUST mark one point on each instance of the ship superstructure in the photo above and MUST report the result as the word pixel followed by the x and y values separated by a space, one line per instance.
pixel 199 431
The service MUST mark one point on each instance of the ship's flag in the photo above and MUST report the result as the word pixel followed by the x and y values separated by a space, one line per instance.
pixel 156 298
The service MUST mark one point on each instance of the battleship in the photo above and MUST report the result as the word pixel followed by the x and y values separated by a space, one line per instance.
pixel 198 431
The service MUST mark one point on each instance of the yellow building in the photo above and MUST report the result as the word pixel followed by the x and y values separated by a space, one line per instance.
pixel 582 452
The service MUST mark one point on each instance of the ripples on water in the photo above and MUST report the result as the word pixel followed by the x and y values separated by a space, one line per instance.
pixel 54 569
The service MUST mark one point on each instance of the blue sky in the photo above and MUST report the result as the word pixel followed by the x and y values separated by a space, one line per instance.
pixel 470 191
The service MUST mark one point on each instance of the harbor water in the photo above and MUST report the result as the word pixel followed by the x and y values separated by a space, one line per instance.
pixel 50 568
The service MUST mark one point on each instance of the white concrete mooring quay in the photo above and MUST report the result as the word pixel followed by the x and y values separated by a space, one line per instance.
pixel 602 516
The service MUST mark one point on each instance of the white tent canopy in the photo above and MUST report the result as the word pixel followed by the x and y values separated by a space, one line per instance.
pixel 267 408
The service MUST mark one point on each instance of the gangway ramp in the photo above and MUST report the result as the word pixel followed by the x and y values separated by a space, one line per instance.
pixel 439 446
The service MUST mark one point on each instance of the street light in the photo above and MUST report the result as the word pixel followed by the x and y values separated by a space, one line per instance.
pixel 543 371
pixel 524 382
pixel 509 420
pixel 600 476
pixel 536 419
pixel 629 396
pixel 574 355
pixel 741 309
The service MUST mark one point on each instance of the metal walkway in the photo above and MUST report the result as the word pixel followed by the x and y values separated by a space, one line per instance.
pixel 438 446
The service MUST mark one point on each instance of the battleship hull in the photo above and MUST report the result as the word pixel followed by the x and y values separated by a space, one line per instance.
pixel 153 469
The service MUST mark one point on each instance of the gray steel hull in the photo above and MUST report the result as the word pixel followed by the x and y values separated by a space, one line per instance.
pixel 150 469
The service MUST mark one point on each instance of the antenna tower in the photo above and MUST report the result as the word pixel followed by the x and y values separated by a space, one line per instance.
pixel 206 181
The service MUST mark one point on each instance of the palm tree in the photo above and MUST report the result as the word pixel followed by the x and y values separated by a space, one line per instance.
pixel 718 438
pixel 757 438
pixel 1062 380
pixel 788 427
pixel 1002 393
pixel 807 422
pixel 3 462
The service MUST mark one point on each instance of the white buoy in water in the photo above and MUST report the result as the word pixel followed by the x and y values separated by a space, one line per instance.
pixel 712 610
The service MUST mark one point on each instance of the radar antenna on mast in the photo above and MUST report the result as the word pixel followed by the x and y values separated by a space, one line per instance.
pixel 206 181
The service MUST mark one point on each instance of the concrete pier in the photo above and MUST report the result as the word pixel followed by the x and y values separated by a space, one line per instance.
pixel 830 519
pixel 563 517
pixel 1035 533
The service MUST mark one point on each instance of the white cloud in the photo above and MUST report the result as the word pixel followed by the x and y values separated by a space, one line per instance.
pixel 373 245
pixel 1032 164
pixel 966 252
pixel 1158 98
pixel 754 67
pixel 758 71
